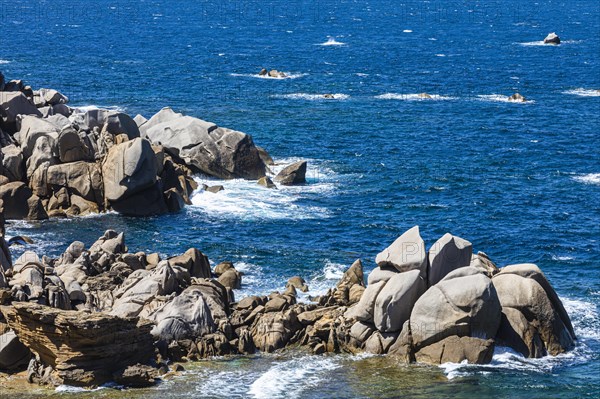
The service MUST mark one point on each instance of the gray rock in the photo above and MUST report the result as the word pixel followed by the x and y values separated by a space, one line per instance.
pixel 456 349
pixel 186 316
pixel 52 97
pixel 215 151
pixel 365 308
pixel 552 38
pixel 406 253
pixel 12 163
pixel 517 98
pixel 18 200
pixel 447 254
pixel 381 274
pixel 525 289
pixel 71 148
pixel 395 301
pixel 194 261
pixel 13 104
pixel 266 182
pixel 464 303
pixel 113 122
pixel 80 178
pixel 231 279
pixel 292 174
pixel 379 343
pixel 128 169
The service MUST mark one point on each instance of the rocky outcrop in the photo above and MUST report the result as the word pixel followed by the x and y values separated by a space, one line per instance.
pixel 516 98
pixel 292 174
pixel 552 38
pixel 447 254
pixel 83 349
pixel 213 150
pixel 102 313
pixel 462 304
pixel 534 321
pixel 80 161
pixel 406 253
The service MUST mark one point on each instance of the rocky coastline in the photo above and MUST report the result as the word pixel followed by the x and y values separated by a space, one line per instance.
pixel 100 314
pixel 59 161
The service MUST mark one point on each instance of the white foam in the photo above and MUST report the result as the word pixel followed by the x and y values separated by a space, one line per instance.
pixel 413 97
pixel 313 97
pixel 583 92
pixel 323 280
pixel 223 384
pixel 244 199
pixel 537 43
pixel 290 378
pixel 85 108
pixel 2 62
pixel 585 318
pixel 586 322
pixel 500 99
pixel 440 55
pixel 72 389
pixel 590 178
pixel 288 75
pixel 561 258
pixel 332 42
pixel 407 31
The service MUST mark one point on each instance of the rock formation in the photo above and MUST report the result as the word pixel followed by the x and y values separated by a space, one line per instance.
pixel 552 38
pixel 101 313
pixel 59 161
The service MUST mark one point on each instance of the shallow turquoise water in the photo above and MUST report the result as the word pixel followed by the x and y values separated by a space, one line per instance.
pixel 520 181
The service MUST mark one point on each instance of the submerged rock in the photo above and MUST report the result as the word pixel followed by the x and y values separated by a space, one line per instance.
pixel 552 38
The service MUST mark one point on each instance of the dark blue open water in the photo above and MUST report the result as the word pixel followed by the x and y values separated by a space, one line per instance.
pixel 520 181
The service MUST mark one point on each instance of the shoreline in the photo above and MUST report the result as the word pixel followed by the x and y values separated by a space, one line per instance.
pixel 147 315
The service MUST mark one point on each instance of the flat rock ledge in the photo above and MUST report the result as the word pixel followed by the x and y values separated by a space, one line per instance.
pixel 101 313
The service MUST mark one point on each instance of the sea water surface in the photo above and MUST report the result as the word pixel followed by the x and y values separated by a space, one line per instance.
pixel 520 181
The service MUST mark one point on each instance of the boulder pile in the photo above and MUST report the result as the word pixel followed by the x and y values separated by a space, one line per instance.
pixel 102 313
pixel 59 161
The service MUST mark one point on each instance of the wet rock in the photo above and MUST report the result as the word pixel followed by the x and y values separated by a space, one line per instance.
pixel 273 330
pixel 137 376
pixel 213 189
pixel 297 282
pixel 456 349
pixel 516 98
pixel 539 313
pixel 552 38
pixel 379 343
pixel 292 174
pixel 266 182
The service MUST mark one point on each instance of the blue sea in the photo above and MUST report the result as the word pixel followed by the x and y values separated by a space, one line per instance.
pixel 521 181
